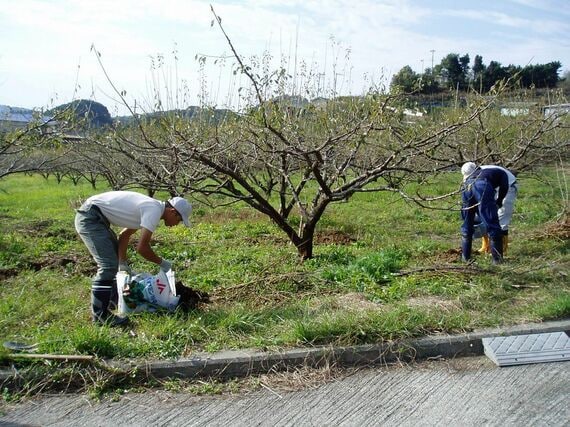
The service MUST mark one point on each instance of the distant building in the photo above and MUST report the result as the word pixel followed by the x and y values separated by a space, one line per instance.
pixel 514 109
pixel 556 109
pixel 12 118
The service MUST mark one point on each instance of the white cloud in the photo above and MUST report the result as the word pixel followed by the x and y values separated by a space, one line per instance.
pixel 533 25
pixel 48 40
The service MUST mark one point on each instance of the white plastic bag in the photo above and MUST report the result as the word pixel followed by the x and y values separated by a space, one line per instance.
pixel 145 292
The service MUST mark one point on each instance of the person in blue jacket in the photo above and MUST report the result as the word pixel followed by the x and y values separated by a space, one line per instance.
pixel 478 197
pixel 505 213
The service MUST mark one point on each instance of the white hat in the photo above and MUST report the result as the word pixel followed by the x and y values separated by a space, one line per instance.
pixel 467 169
pixel 183 208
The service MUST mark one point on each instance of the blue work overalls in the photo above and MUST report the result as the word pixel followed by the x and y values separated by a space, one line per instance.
pixel 479 197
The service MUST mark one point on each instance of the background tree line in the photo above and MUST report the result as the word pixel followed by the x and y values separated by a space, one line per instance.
pixel 455 73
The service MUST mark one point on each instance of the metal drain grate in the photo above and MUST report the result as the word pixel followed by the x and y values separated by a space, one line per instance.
pixel 525 349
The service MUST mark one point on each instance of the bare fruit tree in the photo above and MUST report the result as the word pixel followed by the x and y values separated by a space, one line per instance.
pixel 33 148
pixel 291 160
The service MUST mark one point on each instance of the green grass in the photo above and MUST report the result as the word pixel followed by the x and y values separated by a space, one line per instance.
pixel 383 269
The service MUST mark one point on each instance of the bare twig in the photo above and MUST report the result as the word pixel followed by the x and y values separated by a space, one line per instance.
pixel 70 357
pixel 469 268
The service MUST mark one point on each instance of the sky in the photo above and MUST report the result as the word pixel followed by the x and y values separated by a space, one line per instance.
pixel 55 51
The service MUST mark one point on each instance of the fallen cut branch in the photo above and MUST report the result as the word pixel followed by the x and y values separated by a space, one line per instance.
pixel 73 357
pixel 469 268
pixel 268 280
pixel 525 286
pixel 558 229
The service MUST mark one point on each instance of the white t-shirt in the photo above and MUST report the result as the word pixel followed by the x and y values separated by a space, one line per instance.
pixel 129 209
pixel 512 178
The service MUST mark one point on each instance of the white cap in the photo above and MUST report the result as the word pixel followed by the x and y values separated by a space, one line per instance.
pixel 183 207
pixel 467 169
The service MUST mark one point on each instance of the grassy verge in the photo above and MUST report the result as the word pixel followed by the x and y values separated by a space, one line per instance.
pixel 384 269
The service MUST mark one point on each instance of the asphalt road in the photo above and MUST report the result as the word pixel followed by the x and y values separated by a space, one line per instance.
pixel 460 392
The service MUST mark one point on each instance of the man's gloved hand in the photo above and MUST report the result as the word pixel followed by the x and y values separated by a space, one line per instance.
pixel 165 265
pixel 124 266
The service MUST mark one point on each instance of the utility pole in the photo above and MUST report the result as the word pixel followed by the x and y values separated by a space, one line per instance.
pixel 432 82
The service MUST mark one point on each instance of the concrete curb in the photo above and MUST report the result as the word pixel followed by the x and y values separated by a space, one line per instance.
pixel 240 363
pixel 228 364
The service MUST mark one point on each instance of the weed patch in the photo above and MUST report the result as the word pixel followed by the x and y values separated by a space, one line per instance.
pixel 383 270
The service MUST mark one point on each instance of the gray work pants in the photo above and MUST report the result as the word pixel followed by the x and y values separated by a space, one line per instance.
pixel 101 241
pixel 506 211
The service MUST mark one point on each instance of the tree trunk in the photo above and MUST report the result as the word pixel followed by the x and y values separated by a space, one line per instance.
pixel 305 246
pixel 305 250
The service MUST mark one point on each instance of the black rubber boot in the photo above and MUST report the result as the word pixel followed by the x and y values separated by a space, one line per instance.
pixel 497 249
pixel 100 298
pixel 466 244
pixel 114 300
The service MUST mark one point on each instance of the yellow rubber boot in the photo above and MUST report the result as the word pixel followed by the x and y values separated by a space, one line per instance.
pixel 485 245
pixel 505 243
